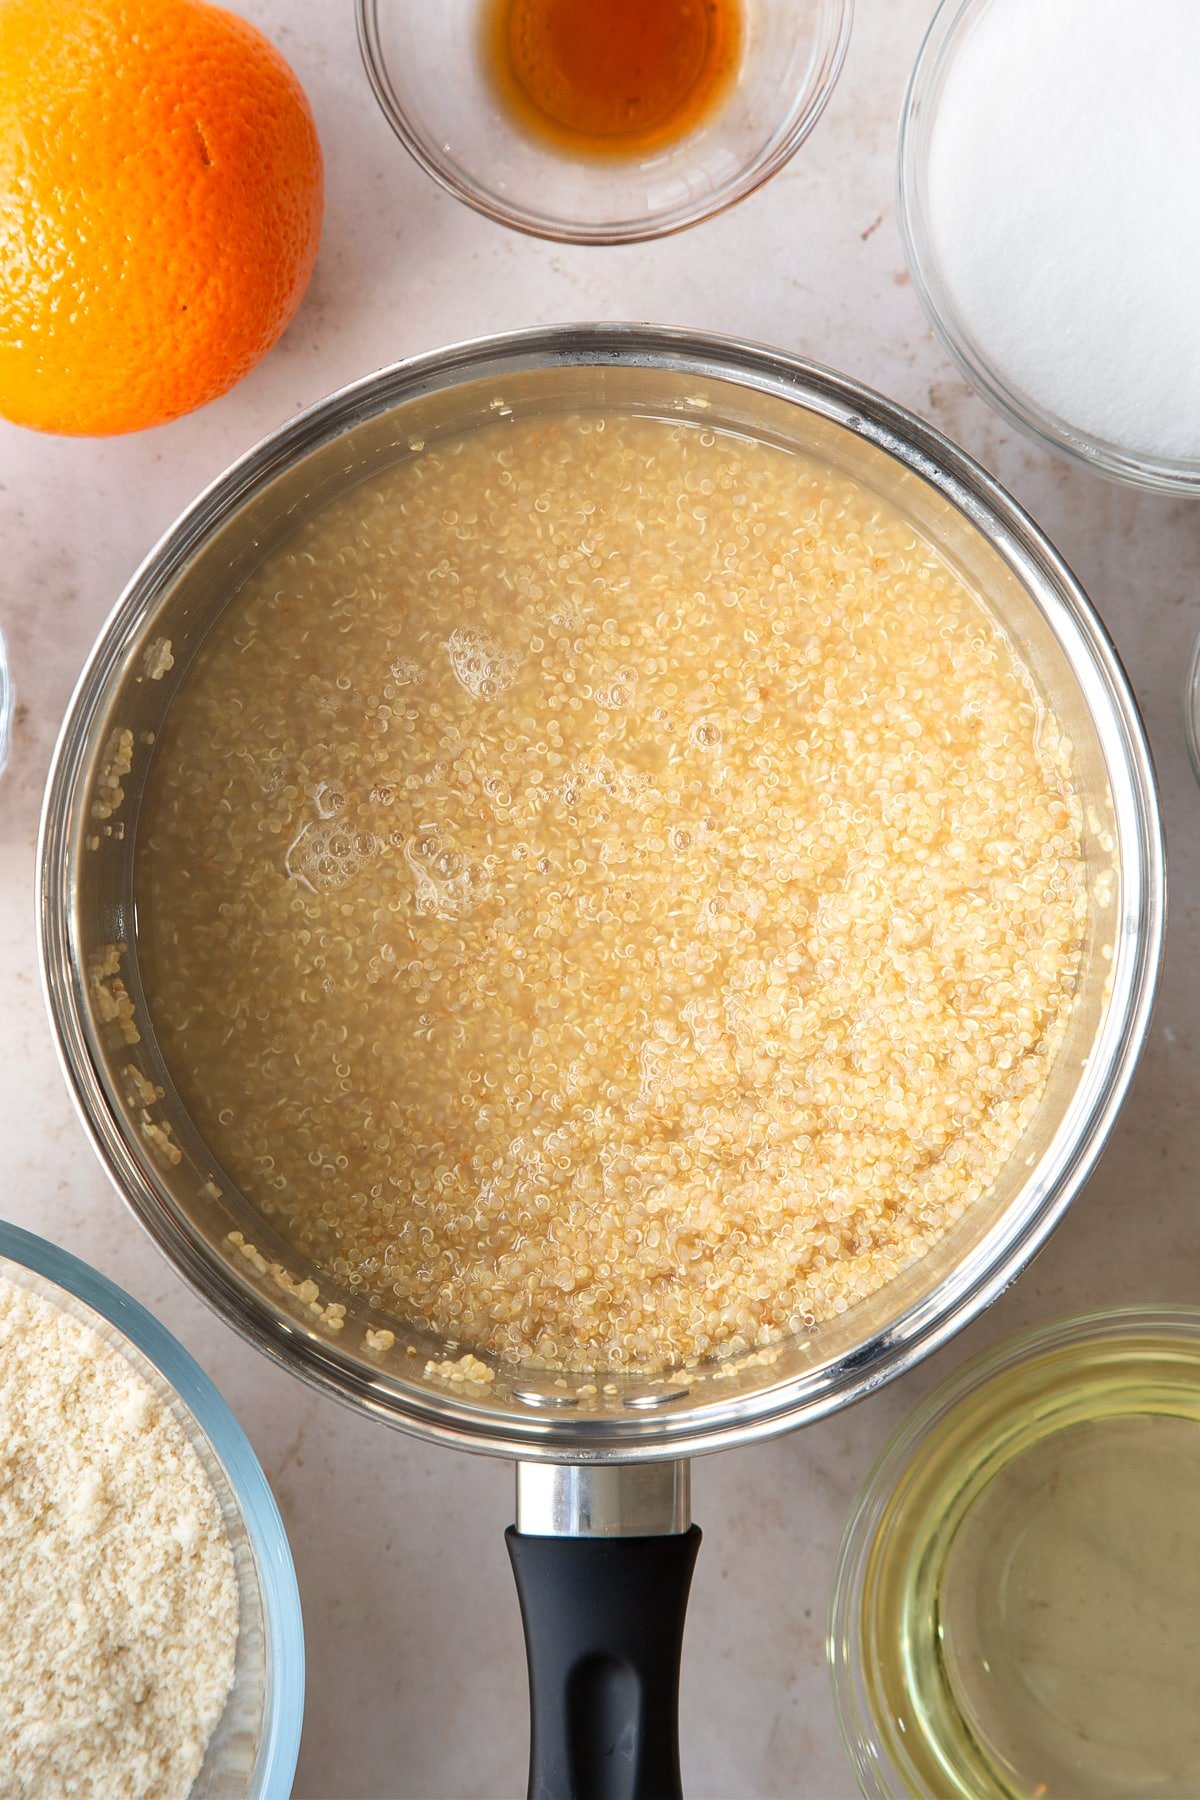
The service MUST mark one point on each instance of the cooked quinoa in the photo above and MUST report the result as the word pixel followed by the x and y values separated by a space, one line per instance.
pixel 612 894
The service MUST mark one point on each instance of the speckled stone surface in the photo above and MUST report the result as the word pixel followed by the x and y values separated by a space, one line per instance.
pixel 416 1674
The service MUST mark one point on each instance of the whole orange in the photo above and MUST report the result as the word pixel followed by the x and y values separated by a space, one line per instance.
pixel 160 205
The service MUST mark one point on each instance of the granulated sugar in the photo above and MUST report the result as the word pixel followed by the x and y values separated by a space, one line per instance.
pixel 1062 212
pixel 118 1596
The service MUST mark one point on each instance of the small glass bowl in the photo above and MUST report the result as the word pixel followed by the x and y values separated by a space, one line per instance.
pixel 252 1753
pixel 426 64
pixel 946 34
pixel 937 1696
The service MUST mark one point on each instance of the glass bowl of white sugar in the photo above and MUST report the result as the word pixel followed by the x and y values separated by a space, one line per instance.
pixel 152 1641
pixel 1048 156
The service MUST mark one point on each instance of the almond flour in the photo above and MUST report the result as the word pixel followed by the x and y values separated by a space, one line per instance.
pixel 118 1596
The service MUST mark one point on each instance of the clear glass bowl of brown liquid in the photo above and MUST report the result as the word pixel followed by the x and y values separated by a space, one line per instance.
pixel 603 121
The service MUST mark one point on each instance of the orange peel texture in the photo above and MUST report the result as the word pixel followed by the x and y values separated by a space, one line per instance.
pixel 160 208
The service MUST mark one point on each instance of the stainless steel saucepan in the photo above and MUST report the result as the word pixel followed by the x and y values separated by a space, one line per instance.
pixel 603 1547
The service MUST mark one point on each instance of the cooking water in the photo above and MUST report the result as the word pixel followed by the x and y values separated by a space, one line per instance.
pixel 610 892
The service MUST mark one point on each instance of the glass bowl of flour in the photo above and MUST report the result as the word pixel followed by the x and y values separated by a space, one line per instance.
pixel 1048 156
pixel 152 1644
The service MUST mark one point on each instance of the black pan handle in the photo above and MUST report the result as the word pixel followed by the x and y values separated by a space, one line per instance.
pixel 603 1617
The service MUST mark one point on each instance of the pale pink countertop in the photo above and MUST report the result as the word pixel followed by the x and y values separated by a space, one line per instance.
pixel 416 1672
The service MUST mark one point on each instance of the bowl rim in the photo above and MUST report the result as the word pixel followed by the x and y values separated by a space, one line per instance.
pixel 694 1428
pixel 225 1437
pixel 832 34
pixel 1119 463
pixel 1191 707
pixel 880 1773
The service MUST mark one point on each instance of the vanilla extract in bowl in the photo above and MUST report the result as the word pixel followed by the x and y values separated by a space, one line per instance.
pixel 620 78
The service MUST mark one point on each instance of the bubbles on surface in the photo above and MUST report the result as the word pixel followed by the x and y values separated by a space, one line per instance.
pixel 704 735
pixel 405 670
pixel 327 855
pixel 481 664
pixel 447 883
pixel 496 789
pixel 620 691
pixel 328 799
pixel 600 775
pixel 568 615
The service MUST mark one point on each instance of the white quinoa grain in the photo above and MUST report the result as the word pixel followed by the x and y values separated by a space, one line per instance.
pixel 611 937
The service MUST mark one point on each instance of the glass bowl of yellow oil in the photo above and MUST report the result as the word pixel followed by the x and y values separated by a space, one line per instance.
pixel 1017 1602
pixel 602 121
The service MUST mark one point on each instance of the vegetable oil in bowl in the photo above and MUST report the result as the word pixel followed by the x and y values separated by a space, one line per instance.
pixel 1018 1602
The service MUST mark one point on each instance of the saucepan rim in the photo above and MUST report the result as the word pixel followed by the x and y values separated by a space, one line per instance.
pixel 733 1417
